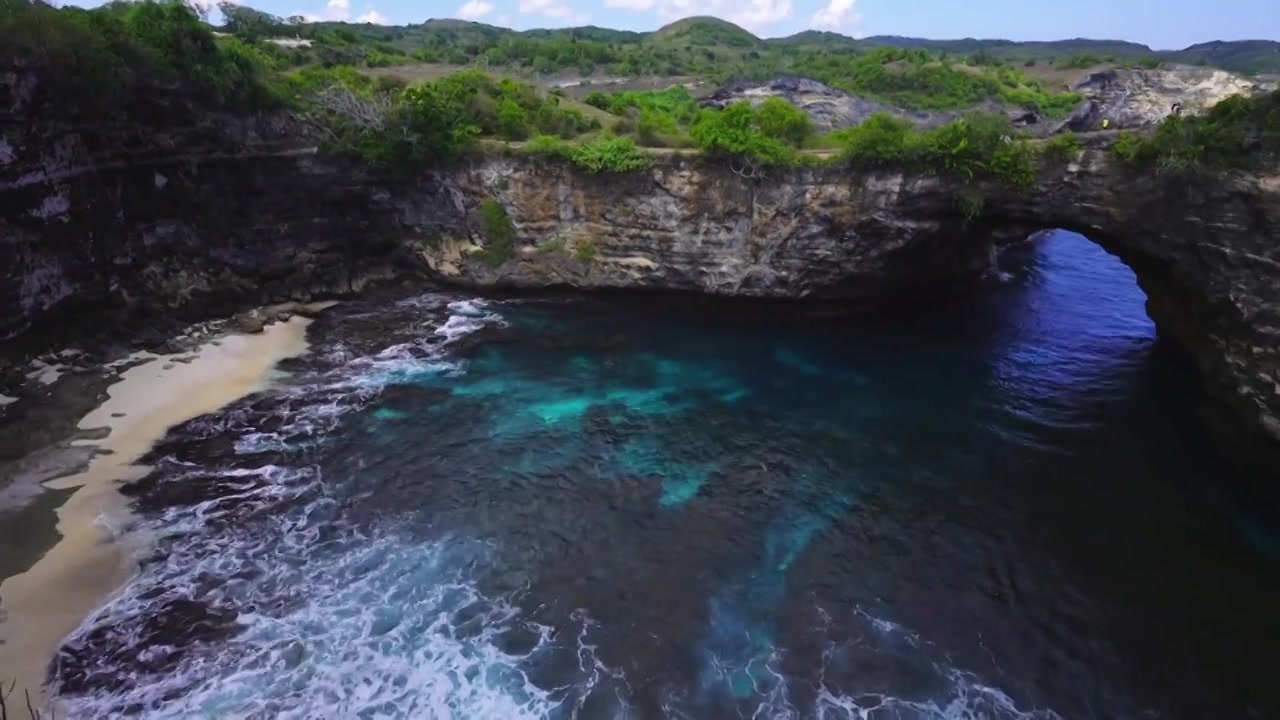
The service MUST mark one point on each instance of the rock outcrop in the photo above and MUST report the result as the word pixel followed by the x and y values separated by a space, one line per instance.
pixel 1207 254
pixel 1141 97
pixel 1126 98
pixel 832 109
pixel 86 234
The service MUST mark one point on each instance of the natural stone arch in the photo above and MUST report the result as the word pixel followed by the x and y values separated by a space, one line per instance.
pixel 1205 249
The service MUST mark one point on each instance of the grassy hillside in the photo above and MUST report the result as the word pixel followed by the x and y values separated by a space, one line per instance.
pixel 708 49
pixel 718 49
pixel 1242 56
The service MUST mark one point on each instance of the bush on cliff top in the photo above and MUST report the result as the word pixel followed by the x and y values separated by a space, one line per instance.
pixel 976 147
pixel 97 64
pixel 429 123
pixel 768 134
pixel 1234 133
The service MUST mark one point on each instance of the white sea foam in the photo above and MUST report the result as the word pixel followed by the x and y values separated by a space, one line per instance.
pixel 387 629
pixel 338 623
pixel 369 630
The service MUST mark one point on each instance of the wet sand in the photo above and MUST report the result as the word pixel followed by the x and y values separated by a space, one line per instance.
pixel 41 606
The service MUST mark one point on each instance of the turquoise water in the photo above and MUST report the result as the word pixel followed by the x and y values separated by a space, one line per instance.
pixel 612 507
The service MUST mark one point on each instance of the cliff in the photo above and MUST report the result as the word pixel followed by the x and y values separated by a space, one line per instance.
pixel 208 233
pixel 1207 254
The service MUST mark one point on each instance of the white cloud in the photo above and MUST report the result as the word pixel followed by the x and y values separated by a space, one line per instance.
pixel 551 8
pixel 632 4
pixel 340 11
pixel 337 10
pixel 474 9
pixel 837 15
pixel 760 14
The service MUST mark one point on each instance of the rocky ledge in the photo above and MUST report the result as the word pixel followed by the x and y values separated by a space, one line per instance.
pixel 202 236
pixel 1207 253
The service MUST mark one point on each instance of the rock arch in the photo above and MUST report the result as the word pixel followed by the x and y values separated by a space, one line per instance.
pixel 1206 250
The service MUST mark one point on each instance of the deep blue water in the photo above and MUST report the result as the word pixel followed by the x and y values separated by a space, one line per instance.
pixel 1003 507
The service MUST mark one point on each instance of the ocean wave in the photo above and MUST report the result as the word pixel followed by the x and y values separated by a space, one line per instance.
pixel 255 598
pixel 260 598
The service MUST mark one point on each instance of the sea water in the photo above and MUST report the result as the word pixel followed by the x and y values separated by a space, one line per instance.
pixel 1002 506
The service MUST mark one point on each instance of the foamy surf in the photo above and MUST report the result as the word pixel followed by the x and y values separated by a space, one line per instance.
pixel 257 525
pixel 268 595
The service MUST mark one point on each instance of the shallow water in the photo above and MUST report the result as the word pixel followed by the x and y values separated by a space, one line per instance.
pixel 1001 508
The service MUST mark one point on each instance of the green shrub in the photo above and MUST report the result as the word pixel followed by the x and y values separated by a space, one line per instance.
pixel 881 139
pixel 1079 62
pixel 549 146
pixel 498 233
pixel 976 147
pixel 1061 148
pixel 585 251
pixel 1235 133
pixel 97 63
pixel 610 154
pixel 513 121
pixel 735 132
pixel 1127 146
pixel 776 118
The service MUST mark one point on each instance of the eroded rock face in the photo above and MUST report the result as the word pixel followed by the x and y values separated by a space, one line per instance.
pixel 204 234
pixel 1206 253
pixel 832 109
pixel 1125 98
pixel 1141 97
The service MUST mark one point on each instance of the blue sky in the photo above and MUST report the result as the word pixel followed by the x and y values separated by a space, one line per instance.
pixel 1163 24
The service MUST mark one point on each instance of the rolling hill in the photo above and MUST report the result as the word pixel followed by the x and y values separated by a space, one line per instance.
pixel 720 40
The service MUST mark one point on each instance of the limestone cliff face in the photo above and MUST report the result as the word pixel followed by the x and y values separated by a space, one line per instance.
pixel 213 231
pixel 1207 254
pixel 196 214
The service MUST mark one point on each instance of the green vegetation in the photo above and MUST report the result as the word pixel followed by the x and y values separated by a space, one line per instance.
pixel 1061 149
pixel 610 154
pixel 585 250
pixel 914 79
pixel 713 48
pixel 157 62
pixel 498 233
pixel 99 62
pixel 770 133
pixel 1243 56
pixel 429 123
pixel 973 148
pixel 606 154
pixel 702 47
pixel 1235 133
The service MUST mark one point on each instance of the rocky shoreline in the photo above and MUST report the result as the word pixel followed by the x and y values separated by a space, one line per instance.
pixel 74 431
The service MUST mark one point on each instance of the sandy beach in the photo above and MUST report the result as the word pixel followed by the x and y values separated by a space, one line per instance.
pixel 43 605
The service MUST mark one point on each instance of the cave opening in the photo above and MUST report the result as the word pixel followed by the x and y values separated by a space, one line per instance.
pixel 1105 319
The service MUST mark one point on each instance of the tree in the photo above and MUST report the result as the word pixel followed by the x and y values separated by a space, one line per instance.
pixel 779 119
pixel 248 24
pixel 734 132
pixel 513 121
